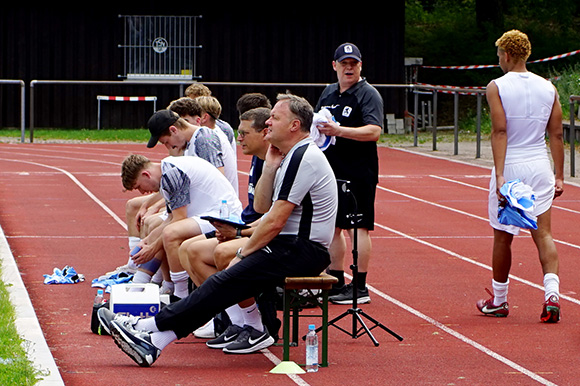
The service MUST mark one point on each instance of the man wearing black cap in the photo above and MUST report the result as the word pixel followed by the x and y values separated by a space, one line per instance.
pixel 357 108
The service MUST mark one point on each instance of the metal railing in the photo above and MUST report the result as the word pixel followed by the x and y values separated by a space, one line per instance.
pixel 416 89
pixel 572 135
pixel 22 103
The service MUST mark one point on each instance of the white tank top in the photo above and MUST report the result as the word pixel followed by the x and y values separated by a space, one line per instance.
pixel 527 100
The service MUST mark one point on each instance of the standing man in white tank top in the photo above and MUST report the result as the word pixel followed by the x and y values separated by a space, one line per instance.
pixel 523 108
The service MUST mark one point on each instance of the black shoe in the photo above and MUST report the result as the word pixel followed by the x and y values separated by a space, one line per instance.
pixel 250 340
pixel 346 296
pixel 227 337
pixel 136 344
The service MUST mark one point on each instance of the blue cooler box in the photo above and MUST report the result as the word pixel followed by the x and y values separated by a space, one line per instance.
pixel 135 299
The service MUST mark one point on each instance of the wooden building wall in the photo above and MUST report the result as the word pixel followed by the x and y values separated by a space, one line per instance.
pixel 287 43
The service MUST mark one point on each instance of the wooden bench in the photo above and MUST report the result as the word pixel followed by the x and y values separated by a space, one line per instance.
pixel 295 300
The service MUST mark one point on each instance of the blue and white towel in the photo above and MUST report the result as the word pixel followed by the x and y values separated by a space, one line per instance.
pixel 67 275
pixel 518 206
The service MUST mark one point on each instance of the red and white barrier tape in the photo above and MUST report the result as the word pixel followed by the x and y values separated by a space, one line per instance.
pixel 476 67
pixel 126 98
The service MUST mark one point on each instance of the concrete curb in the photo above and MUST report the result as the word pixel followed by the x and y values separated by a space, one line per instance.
pixel 27 323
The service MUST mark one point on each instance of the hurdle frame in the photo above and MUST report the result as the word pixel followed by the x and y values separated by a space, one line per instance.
pixel 122 99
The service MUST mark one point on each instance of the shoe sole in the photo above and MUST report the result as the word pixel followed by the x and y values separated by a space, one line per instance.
pixel 260 346
pixel 498 312
pixel 222 344
pixel 104 324
pixel 123 342
pixel 361 300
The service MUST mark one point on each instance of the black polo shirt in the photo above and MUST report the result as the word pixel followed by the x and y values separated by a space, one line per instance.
pixel 358 106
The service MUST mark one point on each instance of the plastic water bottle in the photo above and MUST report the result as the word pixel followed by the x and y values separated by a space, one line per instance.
pixel 100 298
pixel 98 303
pixel 311 349
pixel 224 210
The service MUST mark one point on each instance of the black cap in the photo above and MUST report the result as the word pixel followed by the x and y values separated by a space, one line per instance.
pixel 158 123
pixel 347 50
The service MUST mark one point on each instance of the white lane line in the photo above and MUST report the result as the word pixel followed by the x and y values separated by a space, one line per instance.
pixel 464 339
pixel 462 212
pixel 295 378
pixel 468 260
pixel 485 189
pixel 299 380
pixel 80 185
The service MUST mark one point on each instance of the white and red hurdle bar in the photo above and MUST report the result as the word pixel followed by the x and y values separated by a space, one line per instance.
pixel 122 99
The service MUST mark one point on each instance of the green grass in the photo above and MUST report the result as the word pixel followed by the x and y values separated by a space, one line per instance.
pixel 15 367
pixel 103 135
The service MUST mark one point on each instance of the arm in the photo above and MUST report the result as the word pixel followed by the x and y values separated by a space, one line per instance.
pixel 498 133
pixel 363 133
pixel 554 129
pixel 153 243
pixel 265 187
pixel 268 228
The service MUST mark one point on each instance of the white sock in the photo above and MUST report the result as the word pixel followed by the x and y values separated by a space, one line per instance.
pixel 133 242
pixel 179 280
pixel 158 277
pixel 167 286
pixel 252 317
pixel 235 314
pixel 141 277
pixel 500 292
pixel 162 338
pixel 551 285
pixel 146 324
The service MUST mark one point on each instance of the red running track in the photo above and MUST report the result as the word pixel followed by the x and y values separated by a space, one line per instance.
pixel 63 204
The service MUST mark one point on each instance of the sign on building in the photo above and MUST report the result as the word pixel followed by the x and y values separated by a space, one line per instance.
pixel 160 47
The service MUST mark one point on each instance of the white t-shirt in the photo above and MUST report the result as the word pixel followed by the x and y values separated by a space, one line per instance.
pixel 527 100
pixel 306 179
pixel 193 182
pixel 209 145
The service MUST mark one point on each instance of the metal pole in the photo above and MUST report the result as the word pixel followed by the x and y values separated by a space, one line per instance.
pixel 415 123
pixel 455 123
pixel 478 128
pixel 434 127
pixel 572 139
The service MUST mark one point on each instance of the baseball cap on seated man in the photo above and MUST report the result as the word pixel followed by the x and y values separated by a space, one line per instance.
pixel 347 50
pixel 158 123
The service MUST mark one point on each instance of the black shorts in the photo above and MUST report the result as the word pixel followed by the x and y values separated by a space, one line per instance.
pixel 360 201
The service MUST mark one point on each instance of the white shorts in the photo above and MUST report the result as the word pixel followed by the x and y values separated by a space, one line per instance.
pixel 536 173
pixel 204 225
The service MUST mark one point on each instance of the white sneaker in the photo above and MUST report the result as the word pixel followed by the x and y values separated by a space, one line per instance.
pixel 165 289
pixel 121 269
pixel 207 331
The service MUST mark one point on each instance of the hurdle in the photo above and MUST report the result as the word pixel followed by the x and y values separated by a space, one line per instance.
pixel 122 99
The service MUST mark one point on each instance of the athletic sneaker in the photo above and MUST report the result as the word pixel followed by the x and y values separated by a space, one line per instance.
pixel 207 331
pixel 106 316
pixel 346 296
pixel 488 308
pixel 121 270
pixel 136 344
pixel 250 340
pixel 227 337
pixel 551 310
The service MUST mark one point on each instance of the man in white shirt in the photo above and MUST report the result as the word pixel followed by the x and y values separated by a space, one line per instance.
pixel 524 107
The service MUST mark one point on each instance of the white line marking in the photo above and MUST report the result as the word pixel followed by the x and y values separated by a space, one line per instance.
pixel 486 189
pixel 80 185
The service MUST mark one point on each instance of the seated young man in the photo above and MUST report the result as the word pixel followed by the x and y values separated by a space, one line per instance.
pixel 181 137
pixel 202 257
pixel 299 197
pixel 192 188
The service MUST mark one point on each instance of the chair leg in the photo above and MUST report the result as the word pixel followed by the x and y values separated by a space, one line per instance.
pixel 286 326
pixel 324 305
